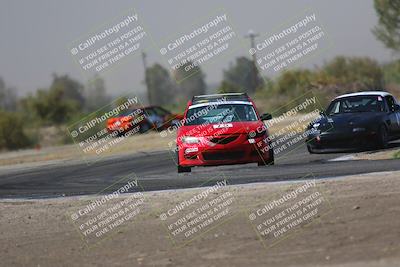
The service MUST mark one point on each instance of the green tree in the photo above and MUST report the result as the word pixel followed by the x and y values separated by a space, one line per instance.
pixel 191 81
pixel 293 82
pixel 8 97
pixel 225 87
pixel 360 72
pixel 12 135
pixel 69 89
pixel 339 76
pixel 388 28
pixel 244 75
pixel 121 101
pixel 392 72
pixel 96 94
pixel 56 105
pixel 159 84
pixel 50 107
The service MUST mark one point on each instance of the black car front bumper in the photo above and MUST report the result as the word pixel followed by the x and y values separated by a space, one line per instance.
pixel 345 139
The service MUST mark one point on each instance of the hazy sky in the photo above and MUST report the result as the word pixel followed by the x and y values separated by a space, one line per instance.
pixel 35 34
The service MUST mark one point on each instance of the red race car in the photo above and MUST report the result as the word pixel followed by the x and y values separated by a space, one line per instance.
pixel 222 129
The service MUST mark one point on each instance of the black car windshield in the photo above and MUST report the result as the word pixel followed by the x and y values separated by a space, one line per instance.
pixel 130 112
pixel 222 113
pixel 354 104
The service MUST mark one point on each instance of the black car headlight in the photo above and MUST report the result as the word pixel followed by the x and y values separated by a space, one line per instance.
pixel 359 129
pixel 316 125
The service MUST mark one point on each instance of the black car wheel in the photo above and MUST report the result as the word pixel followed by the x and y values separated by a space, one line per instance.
pixel 181 169
pixel 270 161
pixel 144 127
pixel 184 169
pixel 383 137
pixel 310 149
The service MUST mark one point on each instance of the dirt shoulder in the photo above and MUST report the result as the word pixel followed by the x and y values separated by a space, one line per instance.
pixel 361 228
pixel 134 144
pixel 379 155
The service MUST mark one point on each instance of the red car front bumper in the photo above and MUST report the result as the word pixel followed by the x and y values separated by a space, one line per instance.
pixel 238 151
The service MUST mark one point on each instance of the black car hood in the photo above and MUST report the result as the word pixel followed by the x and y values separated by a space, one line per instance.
pixel 348 120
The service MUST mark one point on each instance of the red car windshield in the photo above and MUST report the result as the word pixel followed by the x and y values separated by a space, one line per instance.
pixel 222 113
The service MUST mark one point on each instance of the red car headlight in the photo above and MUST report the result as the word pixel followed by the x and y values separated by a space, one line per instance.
pixel 191 150
pixel 191 140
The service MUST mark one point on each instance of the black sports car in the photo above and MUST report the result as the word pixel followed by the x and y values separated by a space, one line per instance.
pixel 358 120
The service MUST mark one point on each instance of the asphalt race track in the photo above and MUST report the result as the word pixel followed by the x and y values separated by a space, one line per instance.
pixel 157 171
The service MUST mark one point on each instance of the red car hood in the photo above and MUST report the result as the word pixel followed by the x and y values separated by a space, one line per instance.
pixel 219 128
